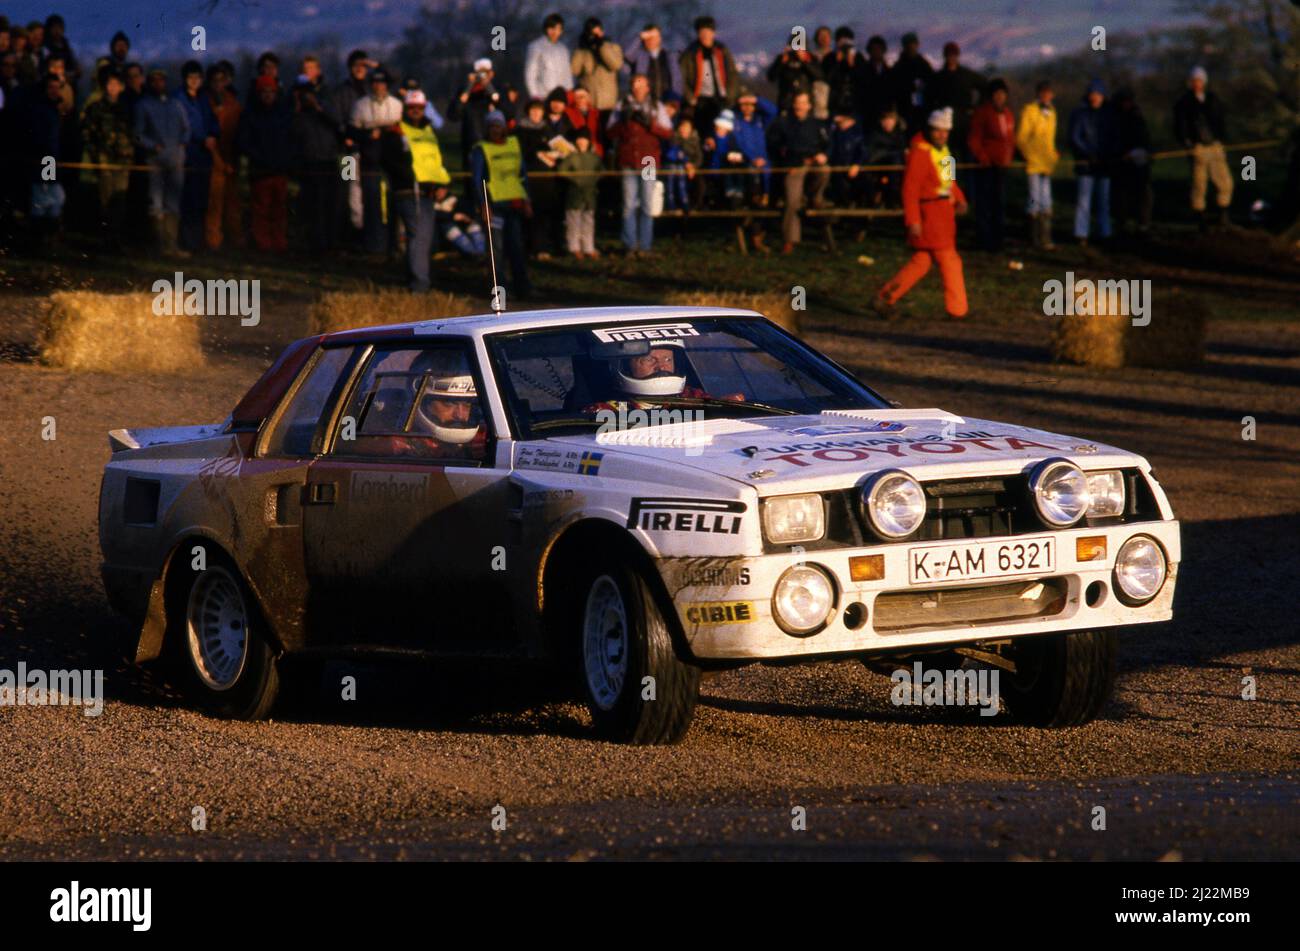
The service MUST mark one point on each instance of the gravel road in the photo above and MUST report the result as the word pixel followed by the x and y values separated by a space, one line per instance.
pixel 1184 767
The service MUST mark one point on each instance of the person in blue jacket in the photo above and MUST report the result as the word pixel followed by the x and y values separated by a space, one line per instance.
pixel 162 129
pixel 726 154
pixel 886 145
pixel 755 115
pixel 1093 140
pixel 200 151
pixel 849 148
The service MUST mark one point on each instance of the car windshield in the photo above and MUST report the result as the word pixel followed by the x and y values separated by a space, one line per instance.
pixel 578 379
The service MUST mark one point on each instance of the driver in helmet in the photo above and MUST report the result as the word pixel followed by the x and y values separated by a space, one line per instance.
pixel 660 372
pixel 448 421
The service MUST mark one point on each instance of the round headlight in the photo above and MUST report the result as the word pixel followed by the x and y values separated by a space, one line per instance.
pixel 803 599
pixel 894 503
pixel 1060 491
pixel 1140 569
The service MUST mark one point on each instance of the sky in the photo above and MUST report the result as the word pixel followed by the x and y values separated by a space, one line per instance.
pixel 1003 31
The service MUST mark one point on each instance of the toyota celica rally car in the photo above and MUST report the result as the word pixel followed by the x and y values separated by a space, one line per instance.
pixel 633 496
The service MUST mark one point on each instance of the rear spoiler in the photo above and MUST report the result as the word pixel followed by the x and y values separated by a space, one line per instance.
pixel 120 440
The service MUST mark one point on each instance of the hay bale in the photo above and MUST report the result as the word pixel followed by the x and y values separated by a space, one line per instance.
pixel 775 306
pixel 345 310
pixel 116 333
pixel 1091 340
pixel 1103 335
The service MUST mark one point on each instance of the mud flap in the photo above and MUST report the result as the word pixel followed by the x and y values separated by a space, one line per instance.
pixel 150 643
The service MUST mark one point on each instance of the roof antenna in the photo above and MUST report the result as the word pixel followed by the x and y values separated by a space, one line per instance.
pixel 498 305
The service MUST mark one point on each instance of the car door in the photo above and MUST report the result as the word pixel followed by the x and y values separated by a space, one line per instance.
pixel 272 484
pixel 405 515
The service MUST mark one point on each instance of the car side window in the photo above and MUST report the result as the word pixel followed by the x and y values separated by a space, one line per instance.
pixel 294 431
pixel 416 403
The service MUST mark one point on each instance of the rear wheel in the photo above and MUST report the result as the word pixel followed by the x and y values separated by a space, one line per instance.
pixel 1061 679
pixel 637 689
pixel 229 660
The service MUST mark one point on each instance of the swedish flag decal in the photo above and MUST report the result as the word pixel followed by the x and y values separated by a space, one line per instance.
pixel 589 464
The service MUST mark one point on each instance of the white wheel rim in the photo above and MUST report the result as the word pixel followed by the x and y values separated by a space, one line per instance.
pixel 217 628
pixel 605 642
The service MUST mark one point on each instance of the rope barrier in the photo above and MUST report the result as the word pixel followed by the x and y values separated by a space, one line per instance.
pixel 671 172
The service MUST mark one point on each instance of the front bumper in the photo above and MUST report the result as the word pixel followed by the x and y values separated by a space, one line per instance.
pixel 725 604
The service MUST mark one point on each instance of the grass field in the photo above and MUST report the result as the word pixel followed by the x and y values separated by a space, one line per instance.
pixel 1241 273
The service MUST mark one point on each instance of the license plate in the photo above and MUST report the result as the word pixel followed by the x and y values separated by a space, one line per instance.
pixel 965 562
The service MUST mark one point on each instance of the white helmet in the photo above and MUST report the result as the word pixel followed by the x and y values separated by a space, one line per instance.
pixel 659 383
pixel 451 389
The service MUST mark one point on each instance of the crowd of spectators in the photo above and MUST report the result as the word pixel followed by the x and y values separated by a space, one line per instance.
pixel 203 159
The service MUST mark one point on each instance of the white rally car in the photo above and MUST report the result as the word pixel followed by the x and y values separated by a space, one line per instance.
pixel 636 495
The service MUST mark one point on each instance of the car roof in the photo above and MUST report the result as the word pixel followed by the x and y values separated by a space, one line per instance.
pixel 480 324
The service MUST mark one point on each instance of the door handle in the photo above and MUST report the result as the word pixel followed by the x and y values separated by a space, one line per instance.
pixel 322 493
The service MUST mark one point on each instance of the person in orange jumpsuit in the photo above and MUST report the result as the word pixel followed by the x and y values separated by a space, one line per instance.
pixel 931 201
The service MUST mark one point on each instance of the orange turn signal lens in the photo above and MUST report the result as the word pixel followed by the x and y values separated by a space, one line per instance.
pixel 1090 548
pixel 867 568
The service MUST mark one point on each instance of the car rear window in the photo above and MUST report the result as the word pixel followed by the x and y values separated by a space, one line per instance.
pixel 295 429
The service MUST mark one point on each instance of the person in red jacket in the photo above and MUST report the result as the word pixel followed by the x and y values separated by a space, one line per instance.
pixel 992 143
pixel 931 201
pixel 637 130
pixel 583 115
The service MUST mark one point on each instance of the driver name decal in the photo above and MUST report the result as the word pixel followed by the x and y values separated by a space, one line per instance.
pixel 558 460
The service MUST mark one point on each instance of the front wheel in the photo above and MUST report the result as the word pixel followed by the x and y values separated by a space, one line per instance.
pixel 1061 679
pixel 637 689
pixel 229 660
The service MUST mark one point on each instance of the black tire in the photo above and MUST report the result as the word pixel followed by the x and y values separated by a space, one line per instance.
pixel 1061 679
pixel 250 692
pixel 618 708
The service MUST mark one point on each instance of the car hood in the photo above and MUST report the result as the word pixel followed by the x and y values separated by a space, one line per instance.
pixel 836 449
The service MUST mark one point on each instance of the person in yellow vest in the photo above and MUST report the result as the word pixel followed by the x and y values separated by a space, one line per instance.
pixel 498 160
pixel 413 163
pixel 1036 139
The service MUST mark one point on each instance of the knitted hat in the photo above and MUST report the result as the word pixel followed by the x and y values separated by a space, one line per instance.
pixel 941 119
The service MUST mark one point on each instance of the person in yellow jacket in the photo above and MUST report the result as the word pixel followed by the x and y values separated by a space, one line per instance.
pixel 1036 139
